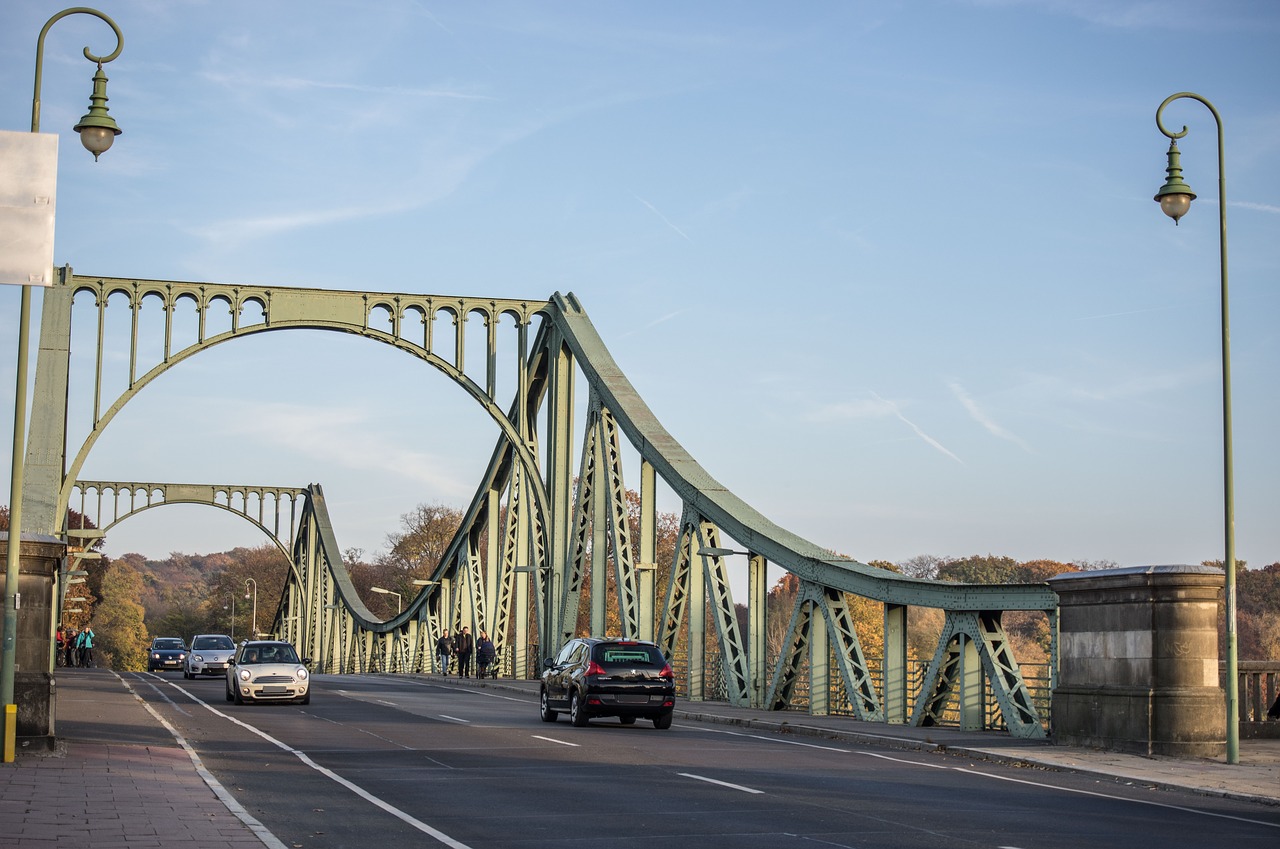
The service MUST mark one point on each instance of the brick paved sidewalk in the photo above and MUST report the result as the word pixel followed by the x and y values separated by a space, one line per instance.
pixel 116 779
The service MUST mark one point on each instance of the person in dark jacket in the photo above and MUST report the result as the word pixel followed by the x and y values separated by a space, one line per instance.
pixel 485 654
pixel 463 647
pixel 444 651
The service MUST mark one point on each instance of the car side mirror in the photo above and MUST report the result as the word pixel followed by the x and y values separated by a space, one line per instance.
pixel 306 661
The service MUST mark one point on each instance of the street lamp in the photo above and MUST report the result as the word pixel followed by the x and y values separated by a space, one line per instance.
pixel 97 131
pixel 233 617
pixel 388 592
pixel 247 581
pixel 1175 198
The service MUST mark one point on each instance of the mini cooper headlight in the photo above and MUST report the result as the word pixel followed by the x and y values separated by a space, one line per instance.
pixel 301 674
pixel 244 675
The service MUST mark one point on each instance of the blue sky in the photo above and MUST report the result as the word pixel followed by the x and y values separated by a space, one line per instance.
pixel 891 272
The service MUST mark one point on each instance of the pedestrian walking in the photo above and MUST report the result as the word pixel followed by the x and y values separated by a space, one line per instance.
pixel 463 648
pixel 85 644
pixel 444 651
pixel 69 647
pixel 485 655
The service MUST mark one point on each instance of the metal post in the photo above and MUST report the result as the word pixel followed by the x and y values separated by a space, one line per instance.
pixel 253 634
pixel 1229 523
pixel 8 662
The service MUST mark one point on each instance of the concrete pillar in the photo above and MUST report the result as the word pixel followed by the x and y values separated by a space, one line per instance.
pixel 33 685
pixel 1138 661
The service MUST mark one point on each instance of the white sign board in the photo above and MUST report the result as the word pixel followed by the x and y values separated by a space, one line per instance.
pixel 28 194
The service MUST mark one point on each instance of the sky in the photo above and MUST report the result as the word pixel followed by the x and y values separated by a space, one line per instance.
pixel 891 272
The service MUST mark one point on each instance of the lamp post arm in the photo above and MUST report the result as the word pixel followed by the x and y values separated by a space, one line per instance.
pixel 1228 475
pixel 101 60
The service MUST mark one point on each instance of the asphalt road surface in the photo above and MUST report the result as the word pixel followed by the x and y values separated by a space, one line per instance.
pixel 390 763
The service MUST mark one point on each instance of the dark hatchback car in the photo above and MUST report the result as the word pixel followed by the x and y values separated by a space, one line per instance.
pixel 166 653
pixel 593 677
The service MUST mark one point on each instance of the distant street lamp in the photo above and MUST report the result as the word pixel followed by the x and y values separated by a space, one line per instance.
pixel 97 132
pixel 247 581
pixel 388 592
pixel 1175 198
pixel 233 616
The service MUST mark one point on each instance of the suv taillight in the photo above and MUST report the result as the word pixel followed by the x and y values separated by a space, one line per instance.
pixel 594 668
pixel 667 672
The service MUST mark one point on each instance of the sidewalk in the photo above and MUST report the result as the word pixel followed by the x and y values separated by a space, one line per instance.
pixel 117 778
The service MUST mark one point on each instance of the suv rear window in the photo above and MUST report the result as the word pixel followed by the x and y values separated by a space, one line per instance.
pixel 614 654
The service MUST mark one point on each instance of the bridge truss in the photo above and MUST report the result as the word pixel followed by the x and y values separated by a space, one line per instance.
pixel 549 512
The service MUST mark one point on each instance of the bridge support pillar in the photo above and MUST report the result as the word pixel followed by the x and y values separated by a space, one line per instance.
pixel 1138 661
pixel 33 684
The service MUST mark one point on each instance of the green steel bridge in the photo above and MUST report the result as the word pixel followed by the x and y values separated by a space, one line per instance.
pixel 549 510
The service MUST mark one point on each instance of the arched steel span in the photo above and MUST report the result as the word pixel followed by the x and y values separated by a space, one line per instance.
pixel 108 503
pixel 544 517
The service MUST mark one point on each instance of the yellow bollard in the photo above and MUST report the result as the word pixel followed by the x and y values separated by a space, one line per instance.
pixel 10 732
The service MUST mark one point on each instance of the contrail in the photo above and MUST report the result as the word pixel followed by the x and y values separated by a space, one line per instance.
pixel 920 433
pixel 666 220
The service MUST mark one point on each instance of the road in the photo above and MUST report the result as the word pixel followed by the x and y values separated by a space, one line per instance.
pixel 395 762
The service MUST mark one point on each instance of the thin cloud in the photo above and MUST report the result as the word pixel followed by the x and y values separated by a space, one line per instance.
pixel 980 416
pixel 1120 314
pixel 654 323
pixel 239 230
pixel 241 81
pixel 328 435
pixel 1257 207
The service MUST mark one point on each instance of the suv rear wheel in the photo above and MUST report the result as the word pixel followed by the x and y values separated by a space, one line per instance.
pixel 662 722
pixel 577 714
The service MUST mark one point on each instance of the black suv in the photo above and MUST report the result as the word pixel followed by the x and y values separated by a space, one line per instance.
pixel 608 677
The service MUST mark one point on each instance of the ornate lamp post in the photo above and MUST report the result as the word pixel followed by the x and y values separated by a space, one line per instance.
pixel 1175 198
pixel 253 634
pixel 97 131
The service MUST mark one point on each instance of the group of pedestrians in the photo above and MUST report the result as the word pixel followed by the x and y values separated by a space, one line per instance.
pixel 462 647
pixel 75 647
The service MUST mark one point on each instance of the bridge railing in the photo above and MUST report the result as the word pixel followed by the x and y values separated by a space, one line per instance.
pixel 1259 682
pixel 1038 677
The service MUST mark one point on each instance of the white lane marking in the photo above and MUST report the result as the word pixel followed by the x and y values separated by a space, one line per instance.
pixel 454 719
pixel 385 702
pixel 162 694
pixel 554 740
pixel 904 760
pixel 1095 793
pixel 259 830
pixel 771 739
pixel 721 783
pixel 442 686
pixel 331 775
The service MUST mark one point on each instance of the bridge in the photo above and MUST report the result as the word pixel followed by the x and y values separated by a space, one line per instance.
pixel 547 513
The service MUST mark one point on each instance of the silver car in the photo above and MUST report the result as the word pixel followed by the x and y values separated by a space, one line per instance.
pixel 210 654
pixel 268 671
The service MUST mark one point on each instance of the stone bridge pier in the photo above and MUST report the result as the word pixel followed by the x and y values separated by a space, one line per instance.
pixel 1138 661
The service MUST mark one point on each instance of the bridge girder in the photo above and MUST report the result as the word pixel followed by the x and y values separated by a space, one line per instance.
pixel 532 534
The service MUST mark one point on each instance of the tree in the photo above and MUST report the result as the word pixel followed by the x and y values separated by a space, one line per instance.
pixel 122 639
